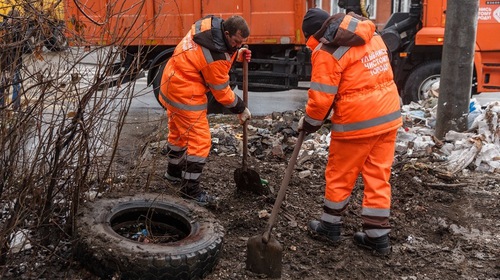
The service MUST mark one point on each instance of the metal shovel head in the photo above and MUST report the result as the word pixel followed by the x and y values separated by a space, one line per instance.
pixel 264 258
pixel 249 181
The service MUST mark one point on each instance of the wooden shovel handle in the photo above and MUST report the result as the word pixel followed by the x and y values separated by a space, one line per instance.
pixel 284 185
pixel 245 124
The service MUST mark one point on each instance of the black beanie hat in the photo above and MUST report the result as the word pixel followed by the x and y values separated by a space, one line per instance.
pixel 313 20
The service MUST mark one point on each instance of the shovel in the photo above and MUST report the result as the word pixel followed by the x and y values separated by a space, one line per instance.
pixel 264 252
pixel 247 179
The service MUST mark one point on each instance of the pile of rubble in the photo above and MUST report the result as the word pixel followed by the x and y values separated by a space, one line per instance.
pixel 479 145
pixel 274 136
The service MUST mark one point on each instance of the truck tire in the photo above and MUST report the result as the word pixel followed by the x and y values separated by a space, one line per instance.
pixel 421 80
pixel 157 72
pixel 191 255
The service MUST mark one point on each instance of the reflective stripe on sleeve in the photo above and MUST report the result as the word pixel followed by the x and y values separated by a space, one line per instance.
pixel 318 46
pixel 312 121
pixel 233 104
pixel 323 87
pixel 219 86
pixel 366 124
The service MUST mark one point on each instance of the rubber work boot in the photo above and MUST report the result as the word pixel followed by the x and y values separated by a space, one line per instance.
pixel 171 178
pixel 326 229
pixel 379 245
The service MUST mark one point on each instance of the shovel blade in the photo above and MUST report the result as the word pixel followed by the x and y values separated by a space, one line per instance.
pixel 264 258
pixel 249 181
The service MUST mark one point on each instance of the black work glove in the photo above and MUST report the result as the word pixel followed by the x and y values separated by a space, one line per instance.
pixel 307 127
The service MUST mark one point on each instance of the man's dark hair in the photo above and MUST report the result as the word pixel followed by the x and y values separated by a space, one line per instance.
pixel 235 23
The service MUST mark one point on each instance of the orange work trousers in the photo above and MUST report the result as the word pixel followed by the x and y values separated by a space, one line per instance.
pixel 372 157
pixel 190 131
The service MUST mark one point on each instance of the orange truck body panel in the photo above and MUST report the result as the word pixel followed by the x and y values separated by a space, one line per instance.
pixel 149 22
pixel 434 20
pixel 487 53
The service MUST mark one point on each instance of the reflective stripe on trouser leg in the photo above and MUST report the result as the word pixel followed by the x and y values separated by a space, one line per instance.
pixel 190 130
pixel 176 157
pixel 376 173
pixel 333 211
pixel 192 177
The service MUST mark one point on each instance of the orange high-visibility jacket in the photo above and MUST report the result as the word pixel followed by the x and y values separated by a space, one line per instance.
pixel 200 63
pixel 352 74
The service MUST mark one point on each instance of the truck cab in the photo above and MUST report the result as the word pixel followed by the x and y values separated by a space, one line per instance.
pixel 415 40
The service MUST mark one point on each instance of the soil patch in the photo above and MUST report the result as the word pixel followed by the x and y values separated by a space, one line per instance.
pixel 443 228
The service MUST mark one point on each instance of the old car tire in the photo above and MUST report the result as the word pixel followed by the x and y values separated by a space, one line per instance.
pixel 108 254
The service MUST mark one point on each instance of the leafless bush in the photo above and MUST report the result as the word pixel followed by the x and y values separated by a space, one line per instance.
pixel 60 144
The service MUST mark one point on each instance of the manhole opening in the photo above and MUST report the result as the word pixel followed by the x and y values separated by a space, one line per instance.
pixel 150 225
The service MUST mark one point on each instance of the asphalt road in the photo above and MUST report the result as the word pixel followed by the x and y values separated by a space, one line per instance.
pixel 264 103
pixel 260 103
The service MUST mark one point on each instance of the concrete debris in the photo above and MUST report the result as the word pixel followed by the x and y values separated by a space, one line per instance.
pixel 477 149
pixel 20 241
pixel 304 174
pixel 478 146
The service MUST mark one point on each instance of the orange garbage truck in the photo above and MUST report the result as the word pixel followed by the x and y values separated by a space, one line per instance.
pixel 148 30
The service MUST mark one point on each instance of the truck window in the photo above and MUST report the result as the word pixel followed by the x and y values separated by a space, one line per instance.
pixel 335 9
pixel 401 6
pixel 371 8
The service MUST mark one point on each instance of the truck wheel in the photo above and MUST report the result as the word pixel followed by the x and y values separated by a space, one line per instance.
pixel 420 81
pixel 179 240
pixel 157 72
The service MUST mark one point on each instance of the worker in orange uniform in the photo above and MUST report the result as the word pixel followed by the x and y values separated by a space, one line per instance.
pixel 200 63
pixel 352 75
